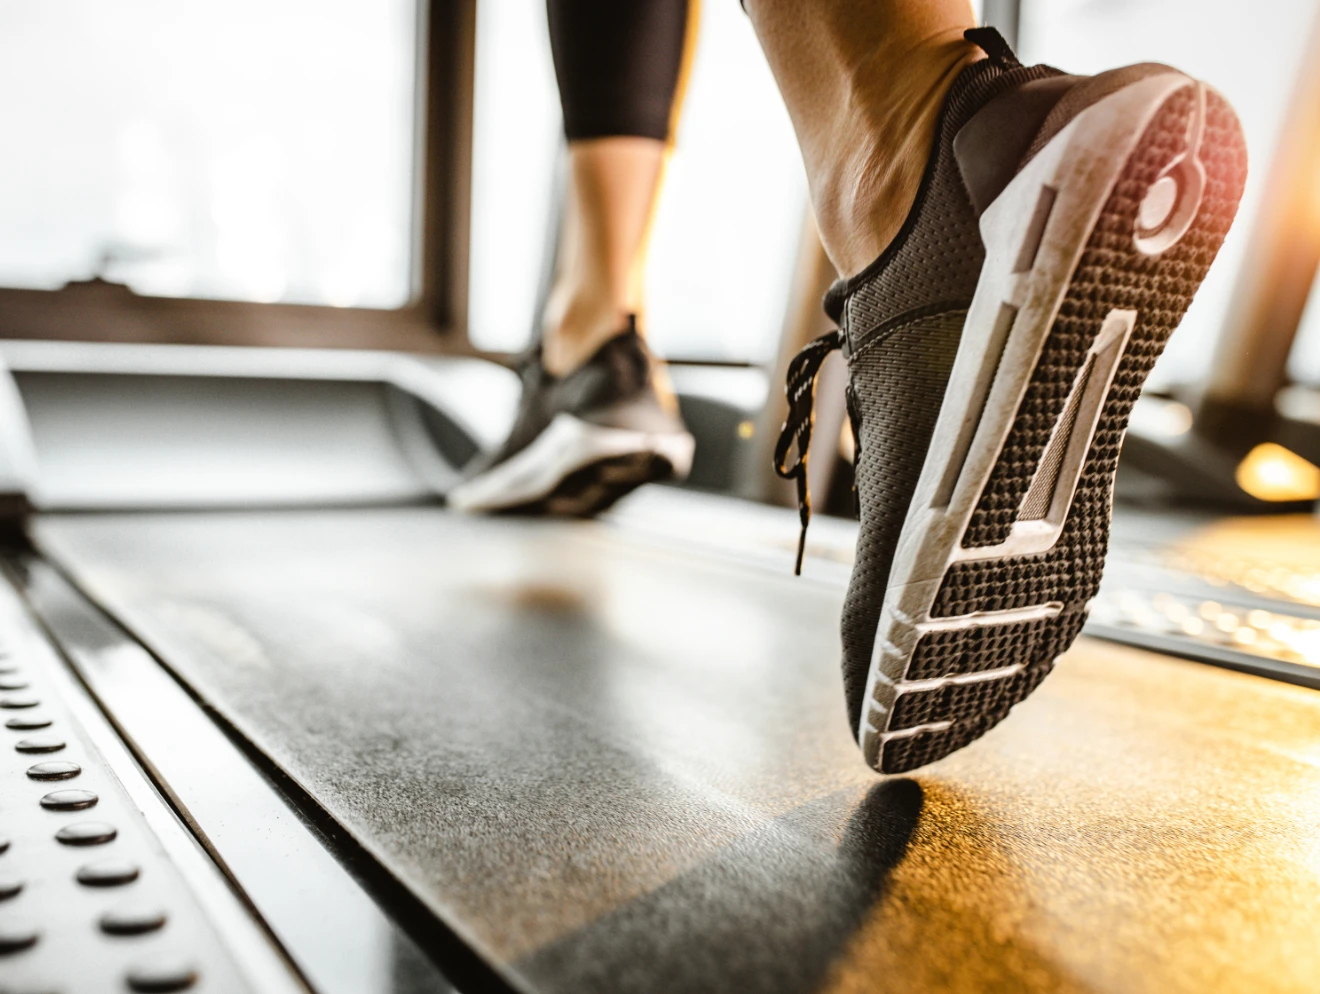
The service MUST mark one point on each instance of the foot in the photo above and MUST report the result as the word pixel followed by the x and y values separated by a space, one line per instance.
pixel 995 349
pixel 583 440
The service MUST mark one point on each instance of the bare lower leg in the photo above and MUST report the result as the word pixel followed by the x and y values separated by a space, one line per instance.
pixel 863 81
pixel 613 184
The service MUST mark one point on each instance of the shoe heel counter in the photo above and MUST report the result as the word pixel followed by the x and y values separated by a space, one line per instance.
pixel 990 147
pixel 618 389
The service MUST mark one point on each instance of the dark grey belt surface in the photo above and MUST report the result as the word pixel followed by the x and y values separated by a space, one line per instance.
pixel 614 765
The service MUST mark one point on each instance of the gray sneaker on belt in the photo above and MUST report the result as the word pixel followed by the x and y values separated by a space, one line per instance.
pixel 581 441
pixel 995 350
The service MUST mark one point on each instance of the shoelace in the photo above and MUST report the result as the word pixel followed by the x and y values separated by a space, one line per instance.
pixel 801 390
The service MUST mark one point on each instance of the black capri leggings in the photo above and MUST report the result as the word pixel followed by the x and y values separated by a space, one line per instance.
pixel 619 64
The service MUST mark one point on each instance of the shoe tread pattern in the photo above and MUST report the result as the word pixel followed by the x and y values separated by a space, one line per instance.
pixel 1111 274
pixel 592 489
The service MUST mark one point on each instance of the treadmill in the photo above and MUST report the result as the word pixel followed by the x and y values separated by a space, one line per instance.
pixel 277 721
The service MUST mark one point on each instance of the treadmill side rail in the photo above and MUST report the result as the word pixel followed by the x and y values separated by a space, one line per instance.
pixel 113 887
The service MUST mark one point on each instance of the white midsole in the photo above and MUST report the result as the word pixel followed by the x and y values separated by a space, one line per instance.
pixel 1081 164
pixel 567 445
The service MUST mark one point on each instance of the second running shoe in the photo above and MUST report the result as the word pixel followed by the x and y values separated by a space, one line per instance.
pixel 581 441
pixel 995 350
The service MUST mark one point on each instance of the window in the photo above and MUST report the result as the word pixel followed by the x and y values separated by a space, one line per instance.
pixel 1249 52
pixel 255 150
pixel 515 143
pixel 727 232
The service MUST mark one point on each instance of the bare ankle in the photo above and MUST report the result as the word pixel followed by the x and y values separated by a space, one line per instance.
pixel 864 189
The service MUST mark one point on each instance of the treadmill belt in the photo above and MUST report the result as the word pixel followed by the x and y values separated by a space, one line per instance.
pixel 611 764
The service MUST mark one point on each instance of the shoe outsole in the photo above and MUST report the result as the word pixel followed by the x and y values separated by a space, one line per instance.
pixel 1004 543
pixel 576 468
pixel 595 488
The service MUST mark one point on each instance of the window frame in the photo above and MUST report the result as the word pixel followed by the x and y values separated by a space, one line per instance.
pixel 435 320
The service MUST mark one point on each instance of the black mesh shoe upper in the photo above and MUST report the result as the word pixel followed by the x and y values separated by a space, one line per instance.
pixel 902 319
pixel 615 388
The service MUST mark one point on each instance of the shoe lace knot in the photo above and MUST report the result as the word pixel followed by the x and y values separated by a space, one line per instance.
pixel 800 386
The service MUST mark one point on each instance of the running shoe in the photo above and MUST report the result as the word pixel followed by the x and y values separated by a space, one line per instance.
pixel 995 350
pixel 581 441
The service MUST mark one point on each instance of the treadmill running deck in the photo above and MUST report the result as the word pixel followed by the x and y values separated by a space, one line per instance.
pixel 614 765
